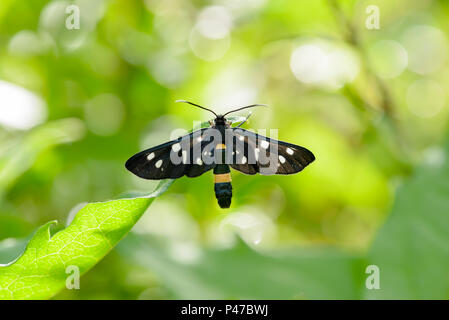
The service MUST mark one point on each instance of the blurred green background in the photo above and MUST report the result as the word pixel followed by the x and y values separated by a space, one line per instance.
pixel 371 104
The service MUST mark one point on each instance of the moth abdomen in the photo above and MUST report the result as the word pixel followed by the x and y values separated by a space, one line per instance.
pixel 223 187
pixel 223 193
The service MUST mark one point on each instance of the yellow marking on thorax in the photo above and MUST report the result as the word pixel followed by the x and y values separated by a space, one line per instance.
pixel 220 146
pixel 223 177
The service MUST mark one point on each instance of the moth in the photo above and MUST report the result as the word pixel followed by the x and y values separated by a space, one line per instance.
pixel 219 147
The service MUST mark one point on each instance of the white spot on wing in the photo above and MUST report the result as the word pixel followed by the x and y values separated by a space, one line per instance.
pixel 281 159
pixel 241 138
pixel 158 163
pixel 199 161
pixel 243 160
pixel 150 156
pixel 264 144
pixel 256 153
pixel 289 151
pixel 176 147
pixel 184 156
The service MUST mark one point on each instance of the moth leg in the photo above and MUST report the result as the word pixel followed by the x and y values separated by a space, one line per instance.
pixel 246 119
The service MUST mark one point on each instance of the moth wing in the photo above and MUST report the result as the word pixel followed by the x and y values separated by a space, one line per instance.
pixel 172 159
pixel 267 156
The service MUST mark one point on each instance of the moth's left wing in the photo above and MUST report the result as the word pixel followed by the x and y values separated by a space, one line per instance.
pixel 254 153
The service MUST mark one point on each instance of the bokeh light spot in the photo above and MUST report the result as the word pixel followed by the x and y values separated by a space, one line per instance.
pixel 324 64
pixel 425 98
pixel 214 22
pixel 20 108
pixel 29 43
pixel 426 47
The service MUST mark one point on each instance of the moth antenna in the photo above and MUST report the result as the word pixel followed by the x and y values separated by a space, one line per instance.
pixel 250 106
pixel 194 104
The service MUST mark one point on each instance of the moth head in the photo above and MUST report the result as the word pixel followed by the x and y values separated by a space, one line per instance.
pixel 220 120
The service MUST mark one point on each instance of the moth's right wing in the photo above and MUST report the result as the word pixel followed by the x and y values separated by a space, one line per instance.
pixel 158 162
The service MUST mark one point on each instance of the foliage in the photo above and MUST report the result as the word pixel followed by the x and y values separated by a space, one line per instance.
pixel 42 269
pixel 409 248
pixel 369 103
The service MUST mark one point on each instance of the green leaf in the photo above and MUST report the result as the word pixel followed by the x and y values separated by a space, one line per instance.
pixel 242 273
pixel 412 248
pixel 41 270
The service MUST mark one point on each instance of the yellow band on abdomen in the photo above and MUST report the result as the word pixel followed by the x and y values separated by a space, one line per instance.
pixel 220 146
pixel 224 177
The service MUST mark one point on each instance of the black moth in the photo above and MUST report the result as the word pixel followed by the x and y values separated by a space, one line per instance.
pixel 217 148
